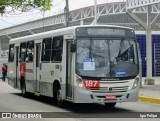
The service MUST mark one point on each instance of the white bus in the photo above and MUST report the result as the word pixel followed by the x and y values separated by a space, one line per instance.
pixel 81 64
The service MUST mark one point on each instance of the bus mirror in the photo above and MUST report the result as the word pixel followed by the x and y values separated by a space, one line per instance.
pixel 73 47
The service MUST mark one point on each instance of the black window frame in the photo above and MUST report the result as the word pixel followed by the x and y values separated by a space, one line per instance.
pixel 28 43
pixel 20 56
pixel 60 48
pixel 9 57
pixel 46 40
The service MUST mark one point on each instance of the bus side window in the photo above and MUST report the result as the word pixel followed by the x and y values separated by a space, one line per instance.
pixel 57 47
pixel 46 49
pixel 22 55
pixel 11 53
pixel 30 51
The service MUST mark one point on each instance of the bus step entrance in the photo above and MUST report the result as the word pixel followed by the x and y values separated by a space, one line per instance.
pixel 37 93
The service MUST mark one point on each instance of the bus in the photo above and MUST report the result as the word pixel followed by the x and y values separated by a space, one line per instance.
pixel 80 64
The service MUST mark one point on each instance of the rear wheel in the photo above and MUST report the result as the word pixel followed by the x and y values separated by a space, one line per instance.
pixel 59 98
pixel 110 105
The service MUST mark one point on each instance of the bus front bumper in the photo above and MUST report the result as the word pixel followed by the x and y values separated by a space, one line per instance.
pixel 85 96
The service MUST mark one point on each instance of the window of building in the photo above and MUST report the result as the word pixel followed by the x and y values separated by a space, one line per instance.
pixel 22 55
pixel 46 49
pixel 57 46
pixel 11 53
pixel 30 51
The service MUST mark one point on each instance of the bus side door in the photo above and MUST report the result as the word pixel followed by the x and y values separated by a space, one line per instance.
pixel 13 70
pixel 30 66
pixel 37 66
pixel 69 68
pixel 17 71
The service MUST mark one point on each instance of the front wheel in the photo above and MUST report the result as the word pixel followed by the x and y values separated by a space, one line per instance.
pixel 59 100
pixel 110 105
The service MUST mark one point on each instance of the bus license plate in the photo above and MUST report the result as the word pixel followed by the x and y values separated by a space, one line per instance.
pixel 110 97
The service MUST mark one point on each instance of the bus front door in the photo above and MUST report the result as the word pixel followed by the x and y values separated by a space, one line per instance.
pixel 38 52
pixel 69 64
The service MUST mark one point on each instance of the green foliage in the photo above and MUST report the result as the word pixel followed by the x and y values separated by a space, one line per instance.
pixel 17 4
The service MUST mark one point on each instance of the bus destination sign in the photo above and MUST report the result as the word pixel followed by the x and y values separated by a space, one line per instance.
pixel 106 31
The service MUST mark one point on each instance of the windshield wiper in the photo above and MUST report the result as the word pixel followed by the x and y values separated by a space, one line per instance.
pixel 109 55
pixel 90 49
pixel 118 58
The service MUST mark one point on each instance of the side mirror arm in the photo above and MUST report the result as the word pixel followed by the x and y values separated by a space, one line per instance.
pixel 73 47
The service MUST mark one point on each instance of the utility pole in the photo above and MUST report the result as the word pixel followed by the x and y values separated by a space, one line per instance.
pixel 67 13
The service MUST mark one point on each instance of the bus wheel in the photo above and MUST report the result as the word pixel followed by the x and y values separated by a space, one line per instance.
pixel 110 105
pixel 59 100
pixel 23 89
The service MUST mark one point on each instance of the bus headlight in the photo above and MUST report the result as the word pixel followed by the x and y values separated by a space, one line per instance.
pixel 136 83
pixel 80 82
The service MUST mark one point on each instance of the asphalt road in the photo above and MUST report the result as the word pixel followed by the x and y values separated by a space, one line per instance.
pixel 12 101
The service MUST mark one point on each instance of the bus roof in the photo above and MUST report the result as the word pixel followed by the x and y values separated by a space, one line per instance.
pixel 65 30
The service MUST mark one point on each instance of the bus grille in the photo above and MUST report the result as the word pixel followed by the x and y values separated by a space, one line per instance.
pixel 111 89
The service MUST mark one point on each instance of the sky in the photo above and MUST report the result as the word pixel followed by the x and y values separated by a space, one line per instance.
pixel 15 18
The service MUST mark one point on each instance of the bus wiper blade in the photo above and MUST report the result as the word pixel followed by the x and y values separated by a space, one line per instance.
pixel 90 49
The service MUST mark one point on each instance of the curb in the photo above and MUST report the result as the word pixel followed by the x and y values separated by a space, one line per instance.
pixel 149 99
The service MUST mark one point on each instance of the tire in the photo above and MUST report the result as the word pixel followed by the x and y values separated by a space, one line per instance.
pixel 110 105
pixel 58 97
pixel 23 89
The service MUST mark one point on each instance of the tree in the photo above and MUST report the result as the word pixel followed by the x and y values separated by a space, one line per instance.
pixel 24 5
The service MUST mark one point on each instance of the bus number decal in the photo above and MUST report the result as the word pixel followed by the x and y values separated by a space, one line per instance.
pixel 92 84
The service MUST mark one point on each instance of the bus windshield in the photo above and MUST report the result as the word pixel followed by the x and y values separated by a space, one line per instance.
pixel 106 58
